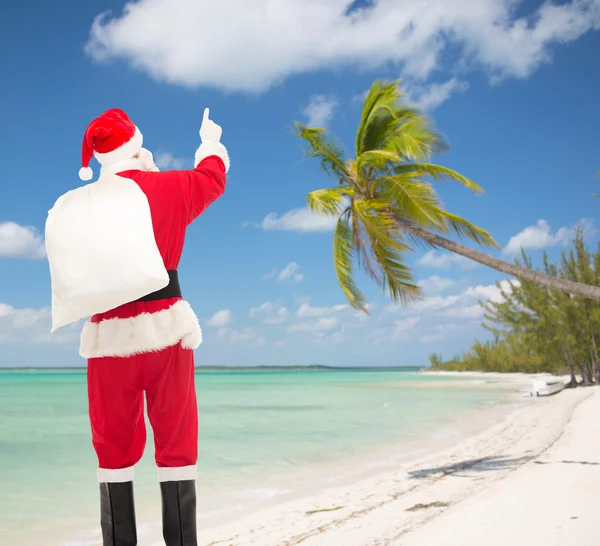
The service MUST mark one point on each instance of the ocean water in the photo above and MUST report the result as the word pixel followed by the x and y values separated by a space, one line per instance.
pixel 264 435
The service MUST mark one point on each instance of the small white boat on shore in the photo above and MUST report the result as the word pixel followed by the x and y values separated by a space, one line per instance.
pixel 542 387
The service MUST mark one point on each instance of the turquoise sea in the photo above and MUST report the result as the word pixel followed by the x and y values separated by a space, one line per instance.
pixel 264 435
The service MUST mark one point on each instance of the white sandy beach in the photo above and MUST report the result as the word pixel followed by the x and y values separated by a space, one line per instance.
pixel 532 479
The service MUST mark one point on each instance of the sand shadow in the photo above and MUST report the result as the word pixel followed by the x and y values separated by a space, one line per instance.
pixel 486 464
pixel 585 463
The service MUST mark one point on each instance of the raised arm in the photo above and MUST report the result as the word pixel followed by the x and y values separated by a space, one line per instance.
pixel 206 183
pixel 199 187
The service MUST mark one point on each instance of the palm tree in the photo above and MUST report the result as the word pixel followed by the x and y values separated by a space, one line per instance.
pixel 385 207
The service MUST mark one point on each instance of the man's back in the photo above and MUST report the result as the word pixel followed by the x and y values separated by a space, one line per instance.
pixel 175 198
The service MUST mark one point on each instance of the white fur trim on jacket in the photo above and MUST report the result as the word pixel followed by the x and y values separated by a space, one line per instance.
pixel 145 333
pixel 177 473
pixel 125 151
pixel 209 148
pixel 120 475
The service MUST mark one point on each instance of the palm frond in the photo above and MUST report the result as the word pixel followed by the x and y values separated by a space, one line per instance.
pixel 380 95
pixel 343 263
pixel 387 249
pixel 377 159
pixel 465 229
pixel 415 140
pixel 437 172
pixel 328 201
pixel 412 198
pixel 362 246
pixel 382 123
pixel 321 146
pixel 390 124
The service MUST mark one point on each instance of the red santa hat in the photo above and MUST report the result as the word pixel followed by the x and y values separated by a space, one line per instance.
pixel 111 137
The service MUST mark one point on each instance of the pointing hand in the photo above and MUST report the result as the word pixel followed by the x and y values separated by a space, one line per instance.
pixel 209 130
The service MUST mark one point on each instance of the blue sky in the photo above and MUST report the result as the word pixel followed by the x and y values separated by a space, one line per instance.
pixel 513 84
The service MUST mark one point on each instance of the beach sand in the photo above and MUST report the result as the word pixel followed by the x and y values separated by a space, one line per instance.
pixel 533 478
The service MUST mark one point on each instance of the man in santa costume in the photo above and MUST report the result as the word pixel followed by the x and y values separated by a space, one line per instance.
pixel 114 248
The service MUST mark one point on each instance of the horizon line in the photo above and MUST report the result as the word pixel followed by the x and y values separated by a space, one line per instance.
pixel 227 367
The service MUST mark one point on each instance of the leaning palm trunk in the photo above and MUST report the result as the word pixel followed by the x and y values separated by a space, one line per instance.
pixel 555 283
pixel 383 194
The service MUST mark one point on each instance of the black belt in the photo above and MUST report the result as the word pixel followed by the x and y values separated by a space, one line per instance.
pixel 172 290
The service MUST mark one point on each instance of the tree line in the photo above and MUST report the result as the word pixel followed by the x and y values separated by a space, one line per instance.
pixel 536 329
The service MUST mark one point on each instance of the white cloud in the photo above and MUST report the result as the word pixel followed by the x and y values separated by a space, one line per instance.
pixel 166 160
pixel 20 242
pixel 220 318
pixel 270 313
pixel 434 318
pixel 29 325
pixel 434 303
pixel 231 335
pixel 444 331
pixel 307 311
pixel 445 317
pixel 470 312
pixel 302 220
pixel 399 330
pixel 280 316
pixel 319 321
pixel 430 96
pixel 290 273
pixel 265 307
pixel 319 111
pixel 319 326
pixel 540 236
pixel 251 46
pixel 435 284
pixel 445 260
pixel 492 292
pixel 402 328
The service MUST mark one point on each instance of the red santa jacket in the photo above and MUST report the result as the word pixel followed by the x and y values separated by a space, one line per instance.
pixel 176 199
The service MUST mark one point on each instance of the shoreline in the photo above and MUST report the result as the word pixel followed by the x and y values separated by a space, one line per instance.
pixel 387 503
pixel 228 504
pixel 548 499
pixel 513 377
pixel 387 506
pixel 307 482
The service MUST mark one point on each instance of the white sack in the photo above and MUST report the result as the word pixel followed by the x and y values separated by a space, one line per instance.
pixel 101 249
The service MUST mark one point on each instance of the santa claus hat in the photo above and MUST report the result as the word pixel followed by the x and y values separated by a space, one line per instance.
pixel 111 137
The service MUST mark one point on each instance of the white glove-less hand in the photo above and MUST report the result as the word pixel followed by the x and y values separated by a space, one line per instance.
pixel 209 130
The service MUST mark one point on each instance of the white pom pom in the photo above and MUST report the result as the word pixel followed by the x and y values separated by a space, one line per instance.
pixel 85 173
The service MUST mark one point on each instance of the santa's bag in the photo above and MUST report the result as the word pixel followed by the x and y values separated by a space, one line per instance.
pixel 101 249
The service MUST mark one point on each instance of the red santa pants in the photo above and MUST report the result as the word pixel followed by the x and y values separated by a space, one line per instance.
pixel 116 387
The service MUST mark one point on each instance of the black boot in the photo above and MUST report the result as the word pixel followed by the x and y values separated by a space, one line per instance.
pixel 179 513
pixel 117 514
